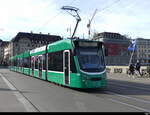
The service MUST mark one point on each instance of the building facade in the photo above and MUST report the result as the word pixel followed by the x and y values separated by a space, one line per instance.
pixel 23 42
pixel 116 48
pixel 26 41
pixel 3 53
pixel 142 51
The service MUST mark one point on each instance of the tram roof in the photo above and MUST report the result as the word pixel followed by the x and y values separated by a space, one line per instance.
pixel 38 51
pixel 66 44
pixel 60 45
pixel 26 54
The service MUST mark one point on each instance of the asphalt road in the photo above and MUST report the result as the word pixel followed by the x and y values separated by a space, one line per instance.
pixel 21 93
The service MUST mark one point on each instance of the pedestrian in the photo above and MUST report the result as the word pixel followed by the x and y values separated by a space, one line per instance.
pixel 131 68
pixel 138 66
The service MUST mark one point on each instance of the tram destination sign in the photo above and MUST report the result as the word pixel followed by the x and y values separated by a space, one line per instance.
pixel 88 44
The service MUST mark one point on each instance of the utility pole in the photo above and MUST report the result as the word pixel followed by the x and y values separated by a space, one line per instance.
pixel 89 24
pixel 70 10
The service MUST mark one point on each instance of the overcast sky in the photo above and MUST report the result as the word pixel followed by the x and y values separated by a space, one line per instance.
pixel 127 17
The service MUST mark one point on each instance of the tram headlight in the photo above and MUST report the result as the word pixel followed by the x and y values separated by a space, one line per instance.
pixel 78 74
pixel 83 80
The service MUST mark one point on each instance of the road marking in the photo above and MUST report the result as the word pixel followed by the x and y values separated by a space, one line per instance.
pixel 28 106
pixel 140 100
pixel 131 86
pixel 139 108
pixel 136 99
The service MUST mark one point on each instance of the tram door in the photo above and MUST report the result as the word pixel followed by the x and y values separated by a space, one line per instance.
pixel 66 66
pixel 32 65
pixel 40 60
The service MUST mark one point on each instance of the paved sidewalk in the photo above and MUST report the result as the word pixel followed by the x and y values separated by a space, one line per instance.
pixel 8 101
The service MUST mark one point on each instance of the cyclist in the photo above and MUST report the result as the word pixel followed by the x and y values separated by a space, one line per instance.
pixel 138 66
pixel 131 68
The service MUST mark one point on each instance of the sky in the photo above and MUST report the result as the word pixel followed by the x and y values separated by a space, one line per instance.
pixel 127 17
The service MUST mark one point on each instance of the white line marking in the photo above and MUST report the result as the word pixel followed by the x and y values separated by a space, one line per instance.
pixel 139 108
pixel 131 86
pixel 136 99
pixel 28 106
pixel 140 100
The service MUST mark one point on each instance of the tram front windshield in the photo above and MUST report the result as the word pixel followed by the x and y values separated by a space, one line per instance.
pixel 91 59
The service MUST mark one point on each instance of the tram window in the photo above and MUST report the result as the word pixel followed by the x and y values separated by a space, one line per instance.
pixel 44 61
pixel 72 64
pixel 29 62
pixel 26 62
pixel 32 62
pixel 12 62
pixel 55 61
pixel 50 61
pixel 40 59
pixel 91 59
pixel 15 63
pixel 36 62
pixel 18 62
pixel 21 62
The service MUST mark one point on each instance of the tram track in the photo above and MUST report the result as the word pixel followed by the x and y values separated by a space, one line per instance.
pixel 120 98
pixel 136 103
pixel 123 95
pixel 136 91
pixel 130 86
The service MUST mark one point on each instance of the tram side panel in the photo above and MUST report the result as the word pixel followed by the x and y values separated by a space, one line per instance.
pixel 62 69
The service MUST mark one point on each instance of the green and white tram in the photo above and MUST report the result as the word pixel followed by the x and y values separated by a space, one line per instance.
pixel 74 63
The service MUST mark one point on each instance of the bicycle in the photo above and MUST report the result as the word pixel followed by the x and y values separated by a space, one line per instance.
pixel 146 73
pixel 133 74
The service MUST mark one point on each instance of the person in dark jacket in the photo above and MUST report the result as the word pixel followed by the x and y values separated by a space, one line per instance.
pixel 138 66
pixel 131 68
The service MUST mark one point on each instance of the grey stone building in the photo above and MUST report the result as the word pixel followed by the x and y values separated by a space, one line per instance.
pixel 116 48
pixel 3 45
pixel 142 51
pixel 1 50
pixel 27 41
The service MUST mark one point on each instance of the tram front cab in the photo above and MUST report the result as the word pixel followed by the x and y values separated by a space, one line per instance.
pixel 91 62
